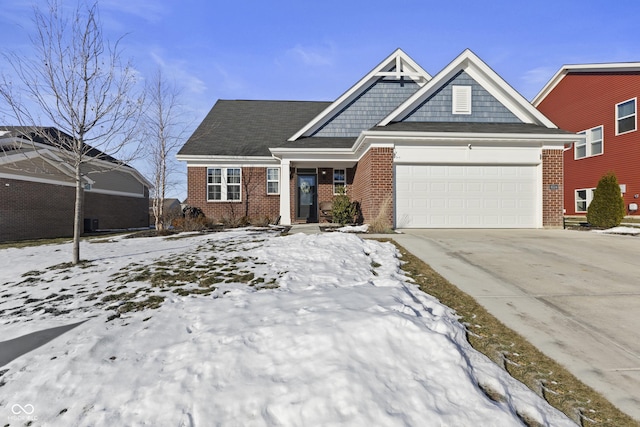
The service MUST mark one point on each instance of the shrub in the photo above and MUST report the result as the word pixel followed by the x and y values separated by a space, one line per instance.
pixel 344 210
pixel 192 212
pixel 607 207
pixel 193 219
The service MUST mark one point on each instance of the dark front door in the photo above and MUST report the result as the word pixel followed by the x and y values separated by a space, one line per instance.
pixel 307 196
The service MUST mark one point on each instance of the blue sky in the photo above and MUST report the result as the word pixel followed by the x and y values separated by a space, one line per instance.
pixel 316 50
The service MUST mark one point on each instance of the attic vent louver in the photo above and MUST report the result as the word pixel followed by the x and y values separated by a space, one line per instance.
pixel 461 99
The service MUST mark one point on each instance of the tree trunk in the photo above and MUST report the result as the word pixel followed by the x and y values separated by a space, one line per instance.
pixel 78 220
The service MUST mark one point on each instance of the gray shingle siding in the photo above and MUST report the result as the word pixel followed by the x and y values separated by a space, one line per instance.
pixel 484 107
pixel 368 109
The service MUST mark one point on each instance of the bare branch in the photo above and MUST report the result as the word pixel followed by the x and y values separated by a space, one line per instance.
pixel 164 134
pixel 77 84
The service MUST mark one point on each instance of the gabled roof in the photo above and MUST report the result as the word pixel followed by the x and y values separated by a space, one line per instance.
pixel 398 65
pixel 47 136
pixel 611 67
pixel 470 63
pixel 249 128
pixel 52 146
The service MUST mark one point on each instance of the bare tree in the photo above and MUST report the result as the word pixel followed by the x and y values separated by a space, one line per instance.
pixel 78 84
pixel 164 132
pixel 251 180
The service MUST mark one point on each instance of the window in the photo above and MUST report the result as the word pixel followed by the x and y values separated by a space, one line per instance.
pixel 592 144
pixel 626 116
pixel 223 184
pixel 233 184
pixel 339 180
pixel 461 99
pixel 583 199
pixel 273 180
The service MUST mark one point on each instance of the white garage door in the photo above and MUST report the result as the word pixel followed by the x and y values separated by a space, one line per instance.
pixel 445 196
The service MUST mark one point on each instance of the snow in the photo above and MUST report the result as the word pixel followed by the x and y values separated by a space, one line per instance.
pixel 354 228
pixel 344 339
pixel 620 230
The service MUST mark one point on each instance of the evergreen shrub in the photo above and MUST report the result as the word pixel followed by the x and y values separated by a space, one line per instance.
pixel 607 207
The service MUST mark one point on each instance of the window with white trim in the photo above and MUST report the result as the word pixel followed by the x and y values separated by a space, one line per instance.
pixel 223 184
pixel 583 199
pixel 339 180
pixel 461 99
pixel 626 116
pixel 592 145
pixel 273 180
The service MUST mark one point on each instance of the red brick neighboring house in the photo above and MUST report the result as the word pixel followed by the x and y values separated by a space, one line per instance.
pixel 599 101
pixel 37 190
pixel 461 149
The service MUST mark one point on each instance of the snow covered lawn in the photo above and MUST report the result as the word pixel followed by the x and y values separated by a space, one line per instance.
pixel 242 328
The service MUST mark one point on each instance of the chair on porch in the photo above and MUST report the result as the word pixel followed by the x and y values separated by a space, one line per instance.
pixel 326 209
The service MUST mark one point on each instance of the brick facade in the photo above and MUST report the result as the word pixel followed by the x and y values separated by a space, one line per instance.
pixel 373 183
pixel 254 184
pixel 31 210
pixel 370 183
pixel 552 188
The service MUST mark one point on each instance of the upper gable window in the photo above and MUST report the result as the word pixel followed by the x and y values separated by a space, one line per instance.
pixel 592 145
pixel 626 116
pixel 461 99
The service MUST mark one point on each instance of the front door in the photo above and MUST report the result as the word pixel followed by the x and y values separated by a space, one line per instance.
pixel 307 196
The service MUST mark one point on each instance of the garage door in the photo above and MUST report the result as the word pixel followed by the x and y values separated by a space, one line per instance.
pixel 446 196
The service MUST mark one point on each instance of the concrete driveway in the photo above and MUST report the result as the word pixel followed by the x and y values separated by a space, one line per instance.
pixel 573 294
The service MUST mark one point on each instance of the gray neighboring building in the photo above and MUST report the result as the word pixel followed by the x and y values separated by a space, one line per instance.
pixel 37 189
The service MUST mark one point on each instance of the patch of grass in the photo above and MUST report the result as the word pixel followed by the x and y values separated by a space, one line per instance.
pixel 153 301
pixel 30 243
pixel 516 355
pixel 32 273
pixel 65 266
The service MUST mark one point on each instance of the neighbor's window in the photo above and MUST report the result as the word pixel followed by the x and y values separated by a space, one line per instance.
pixel 626 116
pixel 592 144
pixel 339 179
pixel 223 184
pixel 461 99
pixel 583 199
pixel 273 180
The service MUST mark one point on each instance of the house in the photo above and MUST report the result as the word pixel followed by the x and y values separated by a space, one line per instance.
pixel 460 149
pixel 600 102
pixel 37 189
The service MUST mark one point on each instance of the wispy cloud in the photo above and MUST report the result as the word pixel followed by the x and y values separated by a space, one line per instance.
pixel 313 56
pixel 178 70
pixel 533 80
pixel 149 10
pixel 539 75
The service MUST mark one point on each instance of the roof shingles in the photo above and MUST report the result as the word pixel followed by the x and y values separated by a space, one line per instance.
pixel 249 128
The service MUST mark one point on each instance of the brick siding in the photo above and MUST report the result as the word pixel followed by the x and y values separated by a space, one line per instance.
pixel 30 210
pixel 254 182
pixel 552 197
pixel 373 183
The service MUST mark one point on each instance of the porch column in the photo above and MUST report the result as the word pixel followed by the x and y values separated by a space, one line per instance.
pixel 285 193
